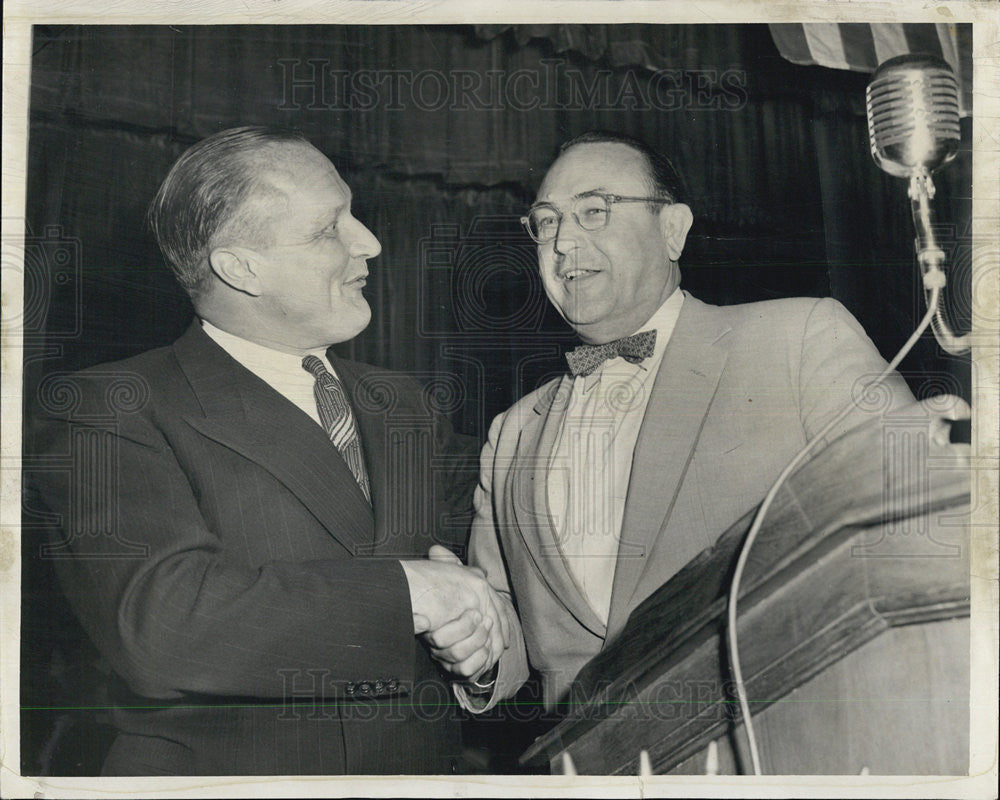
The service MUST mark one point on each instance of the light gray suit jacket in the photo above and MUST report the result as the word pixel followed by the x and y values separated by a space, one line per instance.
pixel 739 391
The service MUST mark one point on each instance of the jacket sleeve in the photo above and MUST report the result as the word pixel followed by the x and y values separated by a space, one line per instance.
pixel 836 363
pixel 166 606
pixel 484 552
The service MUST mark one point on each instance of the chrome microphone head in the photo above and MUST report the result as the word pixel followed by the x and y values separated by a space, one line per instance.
pixel 913 115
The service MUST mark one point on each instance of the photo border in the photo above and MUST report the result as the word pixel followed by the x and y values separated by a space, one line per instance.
pixel 20 15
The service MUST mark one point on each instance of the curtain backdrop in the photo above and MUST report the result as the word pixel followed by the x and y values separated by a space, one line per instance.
pixel 443 134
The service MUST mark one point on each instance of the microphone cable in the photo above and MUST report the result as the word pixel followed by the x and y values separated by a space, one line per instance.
pixel 933 282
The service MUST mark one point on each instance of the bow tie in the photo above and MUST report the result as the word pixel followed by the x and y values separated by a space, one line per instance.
pixel 588 357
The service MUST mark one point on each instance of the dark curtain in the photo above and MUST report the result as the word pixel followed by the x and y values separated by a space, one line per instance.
pixel 443 133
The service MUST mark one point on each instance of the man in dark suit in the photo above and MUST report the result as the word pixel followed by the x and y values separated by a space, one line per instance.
pixel 240 537
pixel 671 424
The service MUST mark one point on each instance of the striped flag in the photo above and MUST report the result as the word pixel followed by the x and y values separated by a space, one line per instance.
pixel 862 47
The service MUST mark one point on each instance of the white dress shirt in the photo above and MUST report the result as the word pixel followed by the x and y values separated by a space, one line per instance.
pixel 591 462
pixel 283 372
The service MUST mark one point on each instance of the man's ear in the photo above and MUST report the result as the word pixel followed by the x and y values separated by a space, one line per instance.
pixel 675 222
pixel 236 267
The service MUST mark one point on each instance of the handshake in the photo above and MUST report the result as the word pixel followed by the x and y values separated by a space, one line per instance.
pixel 465 622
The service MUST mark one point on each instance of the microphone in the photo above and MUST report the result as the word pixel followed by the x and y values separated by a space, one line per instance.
pixel 913 115
pixel 913 126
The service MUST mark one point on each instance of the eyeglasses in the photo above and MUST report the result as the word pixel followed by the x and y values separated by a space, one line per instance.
pixel 592 212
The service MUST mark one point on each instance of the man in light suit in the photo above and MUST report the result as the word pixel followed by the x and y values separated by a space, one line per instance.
pixel 674 421
pixel 239 537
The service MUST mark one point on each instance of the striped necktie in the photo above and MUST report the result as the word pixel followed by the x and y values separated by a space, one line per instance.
pixel 338 419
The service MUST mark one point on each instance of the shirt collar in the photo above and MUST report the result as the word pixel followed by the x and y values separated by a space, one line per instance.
pixel 663 321
pixel 257 358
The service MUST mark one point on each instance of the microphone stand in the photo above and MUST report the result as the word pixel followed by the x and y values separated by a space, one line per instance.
pixel 931 259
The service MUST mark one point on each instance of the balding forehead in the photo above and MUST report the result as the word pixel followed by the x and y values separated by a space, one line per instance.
pixel 282 158
pixel 280 168
pixel 590 165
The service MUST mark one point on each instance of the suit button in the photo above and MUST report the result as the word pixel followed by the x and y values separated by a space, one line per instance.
pixel 393 685
pixel 350 688
pixel 364 688
pixel 379 687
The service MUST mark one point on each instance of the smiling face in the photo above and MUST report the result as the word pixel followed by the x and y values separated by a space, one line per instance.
pixel 608 283
pixel 306 281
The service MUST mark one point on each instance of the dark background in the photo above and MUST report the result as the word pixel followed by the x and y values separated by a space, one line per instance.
pixel 775 157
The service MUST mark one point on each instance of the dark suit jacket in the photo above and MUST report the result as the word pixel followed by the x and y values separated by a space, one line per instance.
pixel 220 554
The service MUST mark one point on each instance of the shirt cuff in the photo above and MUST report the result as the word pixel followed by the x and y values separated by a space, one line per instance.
pixel 484 683
pixel 477 697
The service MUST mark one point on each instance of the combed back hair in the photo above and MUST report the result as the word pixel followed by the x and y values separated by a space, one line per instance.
pixel 216 187
pixel 664 181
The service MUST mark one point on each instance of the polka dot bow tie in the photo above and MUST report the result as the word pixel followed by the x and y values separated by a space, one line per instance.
pixel 588 357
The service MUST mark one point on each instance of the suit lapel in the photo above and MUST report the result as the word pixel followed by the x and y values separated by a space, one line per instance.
pixel 243 413
pixel 678 404
pixel 530 505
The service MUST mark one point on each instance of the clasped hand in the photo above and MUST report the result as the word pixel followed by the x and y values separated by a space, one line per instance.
pixel 460 616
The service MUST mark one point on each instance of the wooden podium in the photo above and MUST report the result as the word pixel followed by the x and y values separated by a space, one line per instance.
pixel 853 630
